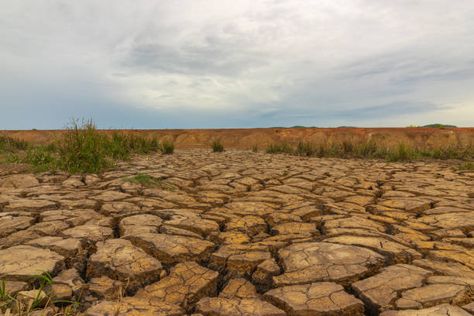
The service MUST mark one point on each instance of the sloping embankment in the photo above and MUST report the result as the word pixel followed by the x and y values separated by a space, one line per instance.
pixel 262 137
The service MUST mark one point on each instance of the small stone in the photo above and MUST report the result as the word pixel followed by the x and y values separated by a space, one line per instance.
pixel 105 288
pixel 321 261
pixel 29 205
pixel 185 285
pixel 91 233
pixel 67 284
pixel 233 237
pixel 250 225
pixel 380 291
pixel 22 263
pixel 143 223
pixel 396 252
pixel 239 288
pixel 171 249
pixel 315 299
pixel 218 306
pixel 11 224
pixel 120 260
pixel 265 272
pixel 296 228
pixel 440 310
pixel 19 181
pixel 239 260
pixel 132 306
pixel 433 294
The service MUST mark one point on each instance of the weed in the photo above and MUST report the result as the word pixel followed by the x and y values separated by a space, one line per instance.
pixel 150 182
pixel 82 149
pixel 4 295
pixel 255 148
pixel 41 158
pixel 44 280
pixel 217 146
pixel 167 147
pixel 401 153
pixel 305 149
pixel 368 149
pixel 141 145
pixel 372 150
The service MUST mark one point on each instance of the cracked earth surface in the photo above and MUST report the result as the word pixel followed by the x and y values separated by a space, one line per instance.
pixel 241 233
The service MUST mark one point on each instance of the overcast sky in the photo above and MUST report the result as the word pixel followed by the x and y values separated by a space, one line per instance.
pixel 229 63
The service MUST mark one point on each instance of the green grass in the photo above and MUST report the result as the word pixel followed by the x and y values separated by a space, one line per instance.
pixel 10 304
pixel 372 150
pixel 82 149
pixel 167 148
pixel 150 182
pixel 217 146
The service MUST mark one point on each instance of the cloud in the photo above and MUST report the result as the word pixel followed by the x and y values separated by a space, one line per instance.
pixel 201 63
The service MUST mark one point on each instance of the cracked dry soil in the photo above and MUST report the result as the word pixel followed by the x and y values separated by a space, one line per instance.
pixel 242 233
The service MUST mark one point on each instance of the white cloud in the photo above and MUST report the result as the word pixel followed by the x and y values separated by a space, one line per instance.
pixel 272 62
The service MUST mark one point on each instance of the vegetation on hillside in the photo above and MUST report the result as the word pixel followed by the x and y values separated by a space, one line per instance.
pixel 84 149
pixel 372 150
pixel 81 149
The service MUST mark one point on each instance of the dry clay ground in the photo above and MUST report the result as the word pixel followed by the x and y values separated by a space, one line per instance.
pixel 242 233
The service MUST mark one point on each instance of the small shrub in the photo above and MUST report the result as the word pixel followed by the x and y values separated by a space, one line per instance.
pixel 402 153
pixel 255 148
pixel 368 149
pixel 39 305
pixel 118 147
pixel 83 149
pixel 150 182
pixel 41 158
pixel 167 147
pixel 305 149
pixel 217 146
pixel 142 145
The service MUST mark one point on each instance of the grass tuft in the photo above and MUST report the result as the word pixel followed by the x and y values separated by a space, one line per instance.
pixel 82 149
pixel 372 150
pixel 217 146
pixel 148 181
pixel 167 147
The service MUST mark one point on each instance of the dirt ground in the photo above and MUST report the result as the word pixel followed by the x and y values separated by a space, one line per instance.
pixel 243 233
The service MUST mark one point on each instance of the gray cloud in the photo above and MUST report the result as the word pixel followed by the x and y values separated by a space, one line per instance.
pixel 198 63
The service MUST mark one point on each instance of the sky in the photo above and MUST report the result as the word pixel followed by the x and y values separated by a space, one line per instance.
pixel 227 63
